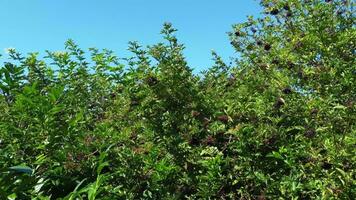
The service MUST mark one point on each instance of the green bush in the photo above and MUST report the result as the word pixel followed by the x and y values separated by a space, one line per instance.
pixel 277 123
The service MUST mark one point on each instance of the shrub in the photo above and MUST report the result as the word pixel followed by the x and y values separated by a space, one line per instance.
pixel 279 123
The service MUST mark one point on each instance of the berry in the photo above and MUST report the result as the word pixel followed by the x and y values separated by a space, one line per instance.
pixel 310 133
pixel 133 136
pixel 287 90
pixel 275 61
pixel 134 103
pixel 349 103
pixel 286 7
pixel 194 141
pixel 275 11
pixel 270 144
pixel 290 64
pixel 113 95
pixel 259 43
pixel 223 118
pixel 151 81
pixel 264 66
pixel 346 165
pixel 210 140
pixel 289 14
pixel 314 111
pixel 326 165
pixel 267 47
pixel 298 45
pixel 195 113
pixel 270 141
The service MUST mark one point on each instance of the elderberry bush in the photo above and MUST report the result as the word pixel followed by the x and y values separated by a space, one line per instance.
pixel 277 123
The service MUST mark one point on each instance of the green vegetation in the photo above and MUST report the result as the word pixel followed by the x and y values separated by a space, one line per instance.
pixel 278 123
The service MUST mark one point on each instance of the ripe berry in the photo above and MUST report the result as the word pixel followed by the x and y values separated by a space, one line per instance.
pixel 264 66
pixel 151 81
pixel 326 165
pixel 270 141
pixel 269 144
pixel 306 160
pixel 275 61
pixel 238 33
pixel 289 14
pixel 113 95
pixel 275 11
pixel 310 133
pixel 314 111
pixel 290 64
pixel 253 30
pixel 133 136
pixel 194 141
pixel 286 7
pixel 350 103
pixel 287 90
pixel 80 156
pixel 210 140
pixel 223 118
pixel 267 47
pixel 134 103
pixel 347 165
pixel 195 113
pixel 259 42
pixel 298 45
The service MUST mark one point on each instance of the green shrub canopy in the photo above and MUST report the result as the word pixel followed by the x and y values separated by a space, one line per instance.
pixel 277 123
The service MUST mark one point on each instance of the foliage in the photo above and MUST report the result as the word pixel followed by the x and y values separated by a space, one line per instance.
pixel 278 123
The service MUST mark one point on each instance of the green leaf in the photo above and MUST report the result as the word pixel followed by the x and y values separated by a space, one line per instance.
pixel 340 107
pixel 275 154
pixel 21 169
pixel 12 196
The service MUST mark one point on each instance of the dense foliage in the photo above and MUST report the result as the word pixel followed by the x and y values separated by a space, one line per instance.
pixel 278 122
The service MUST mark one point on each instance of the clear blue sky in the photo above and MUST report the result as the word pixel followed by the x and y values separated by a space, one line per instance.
pixel 38 25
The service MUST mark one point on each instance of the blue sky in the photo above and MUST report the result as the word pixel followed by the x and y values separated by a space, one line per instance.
pixel 39 25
